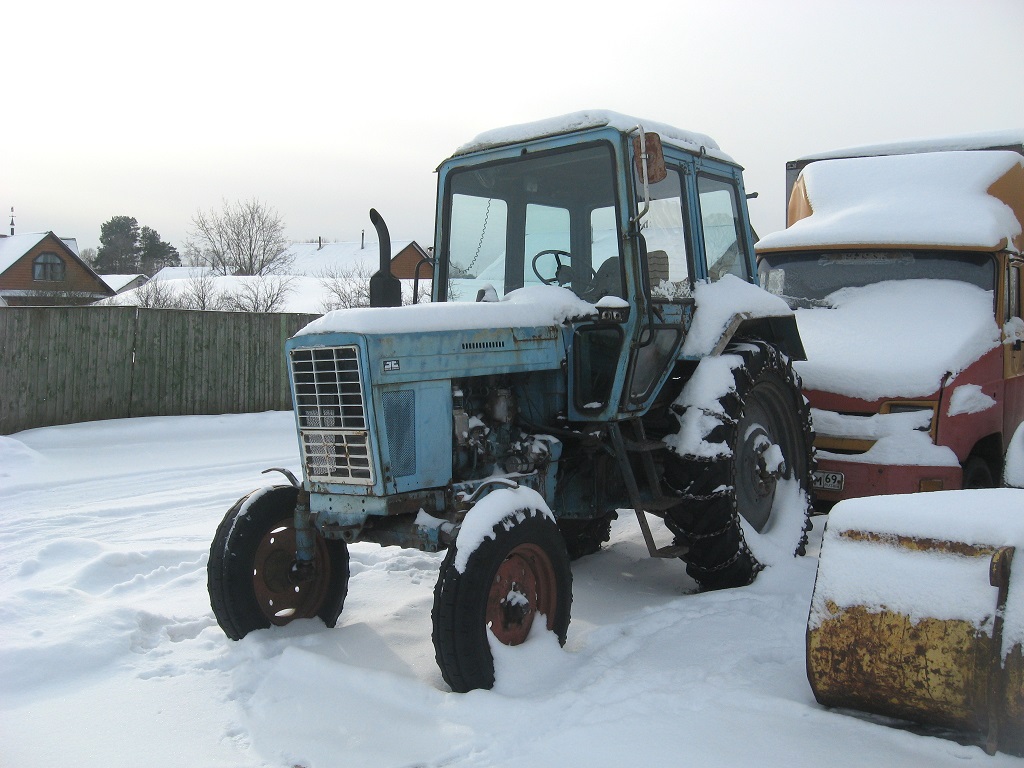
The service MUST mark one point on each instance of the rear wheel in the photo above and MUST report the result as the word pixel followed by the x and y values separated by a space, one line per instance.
pixel 585 537
pixel 515 577
pixel 765 425
pixel 252 578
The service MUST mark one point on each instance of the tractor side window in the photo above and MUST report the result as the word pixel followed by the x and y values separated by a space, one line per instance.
pixel 667 259
pixel 720 226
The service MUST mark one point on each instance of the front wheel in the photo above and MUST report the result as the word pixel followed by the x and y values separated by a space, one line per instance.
pixel 251 575
pixel 515 576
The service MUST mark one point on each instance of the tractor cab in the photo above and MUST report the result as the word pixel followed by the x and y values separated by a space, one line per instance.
pixel 624 218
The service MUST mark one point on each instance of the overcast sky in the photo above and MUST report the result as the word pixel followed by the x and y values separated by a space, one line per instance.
pixel 322 110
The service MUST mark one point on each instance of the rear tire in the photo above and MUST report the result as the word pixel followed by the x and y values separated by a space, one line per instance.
pixel 764 411
pixel 518 574
pixel 250 577
pixel 585 537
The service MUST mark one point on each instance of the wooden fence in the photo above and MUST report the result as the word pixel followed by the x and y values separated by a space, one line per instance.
pixel 60 365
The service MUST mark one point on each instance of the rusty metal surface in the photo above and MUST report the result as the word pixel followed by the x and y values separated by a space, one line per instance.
pixel 921 544
pixel 933 671
pixel 941 672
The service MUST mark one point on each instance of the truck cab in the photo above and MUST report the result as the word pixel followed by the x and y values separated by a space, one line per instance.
pixel 904 265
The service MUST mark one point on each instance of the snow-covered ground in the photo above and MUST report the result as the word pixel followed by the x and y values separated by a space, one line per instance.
pixel 110 655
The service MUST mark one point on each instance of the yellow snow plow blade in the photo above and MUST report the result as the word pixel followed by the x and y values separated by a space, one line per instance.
pixel 918 612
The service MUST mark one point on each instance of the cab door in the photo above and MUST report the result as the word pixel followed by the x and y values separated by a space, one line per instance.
pixel 666 279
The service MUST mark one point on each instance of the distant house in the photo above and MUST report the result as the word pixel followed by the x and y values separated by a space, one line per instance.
pixel 40 269
pixel 339 259
pixel 122 283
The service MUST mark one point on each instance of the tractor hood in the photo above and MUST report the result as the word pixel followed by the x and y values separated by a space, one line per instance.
pixel 525 308
pixel 895 338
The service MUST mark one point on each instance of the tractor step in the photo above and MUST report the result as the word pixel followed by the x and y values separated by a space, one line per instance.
pixel 643 446
pixel 662 504
pixel 672 551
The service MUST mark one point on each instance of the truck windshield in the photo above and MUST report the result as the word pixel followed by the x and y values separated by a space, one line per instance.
pixel 807 278
pixel 545 218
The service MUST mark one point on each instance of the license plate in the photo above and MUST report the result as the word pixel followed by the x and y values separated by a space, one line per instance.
pixel 827 481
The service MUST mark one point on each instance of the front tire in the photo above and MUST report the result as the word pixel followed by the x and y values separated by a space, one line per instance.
pixel 517 575
pixel 250 575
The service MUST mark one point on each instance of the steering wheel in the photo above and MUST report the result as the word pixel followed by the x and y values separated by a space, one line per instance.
pixel 564 273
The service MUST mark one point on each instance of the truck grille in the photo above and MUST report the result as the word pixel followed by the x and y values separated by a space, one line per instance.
pixel 331 411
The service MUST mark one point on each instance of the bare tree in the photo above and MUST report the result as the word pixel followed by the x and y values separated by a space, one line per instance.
pixel 346 287
pixel 243 238
pixel 201 292
pixel 156 294
pixel 260 294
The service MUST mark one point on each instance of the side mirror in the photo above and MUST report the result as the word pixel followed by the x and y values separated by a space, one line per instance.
pixel 647 150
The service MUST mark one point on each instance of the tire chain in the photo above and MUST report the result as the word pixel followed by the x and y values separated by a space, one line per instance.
pixel 697 467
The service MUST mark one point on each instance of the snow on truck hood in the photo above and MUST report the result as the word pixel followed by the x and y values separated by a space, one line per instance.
pixel 895 338
pixel 527 307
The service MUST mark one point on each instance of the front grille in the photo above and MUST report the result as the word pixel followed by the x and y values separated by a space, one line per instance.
pixel 331 409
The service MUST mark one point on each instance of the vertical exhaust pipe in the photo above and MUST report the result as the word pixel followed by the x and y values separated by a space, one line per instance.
pixel 385 288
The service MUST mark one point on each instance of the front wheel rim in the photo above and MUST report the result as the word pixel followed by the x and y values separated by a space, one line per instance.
pixel 524 585
pixel 280 595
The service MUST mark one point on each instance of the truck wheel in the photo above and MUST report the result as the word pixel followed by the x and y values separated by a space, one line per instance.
pixel 518 574
pixel 978 474
pixel 766 424
pixel 250 576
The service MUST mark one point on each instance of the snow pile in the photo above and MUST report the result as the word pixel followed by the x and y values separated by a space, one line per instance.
pixel 719 302
pixel 526 307
pixel 884 576
pixel 900 438
pixel 930 199
pixel 969 398
pixel 699 408
pixel 895 338
pixel 108 636
pixel 1013 471
pixel 970 141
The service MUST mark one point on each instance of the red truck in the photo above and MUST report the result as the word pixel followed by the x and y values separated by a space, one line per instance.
pixel 904 264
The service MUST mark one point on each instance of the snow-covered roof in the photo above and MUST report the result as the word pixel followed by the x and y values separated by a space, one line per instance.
pixel 13 247
pixel 689 141
pixel 181 273
pixel 315 259
pixel 973 141
pixel 955 199
pixel 117 282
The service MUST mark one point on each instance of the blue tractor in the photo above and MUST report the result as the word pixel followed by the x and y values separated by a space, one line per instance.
pixel 594 343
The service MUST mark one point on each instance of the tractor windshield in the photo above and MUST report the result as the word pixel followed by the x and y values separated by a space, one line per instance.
pixel 540 219
pixel 807 278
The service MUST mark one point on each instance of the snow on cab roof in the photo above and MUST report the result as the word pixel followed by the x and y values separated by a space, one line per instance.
pixel 592 118
pixel 949 199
